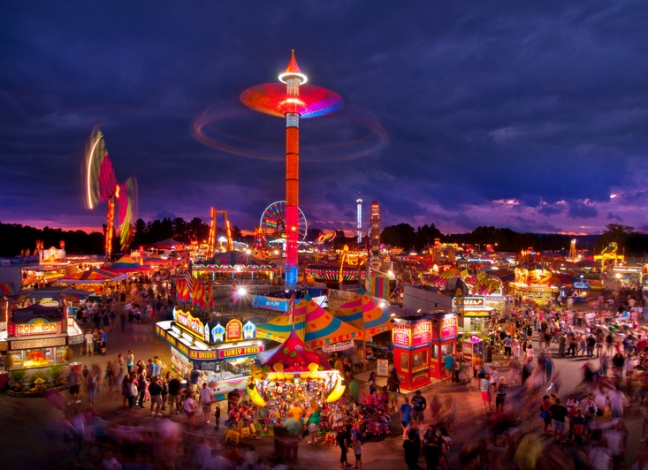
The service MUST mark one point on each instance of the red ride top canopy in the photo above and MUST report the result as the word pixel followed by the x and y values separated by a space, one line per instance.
pixel 273 99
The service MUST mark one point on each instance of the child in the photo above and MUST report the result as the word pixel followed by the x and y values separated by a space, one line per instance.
pixel 217 416
pixel 357 450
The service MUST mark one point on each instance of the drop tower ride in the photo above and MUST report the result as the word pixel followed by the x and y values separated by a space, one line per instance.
pixel 293 102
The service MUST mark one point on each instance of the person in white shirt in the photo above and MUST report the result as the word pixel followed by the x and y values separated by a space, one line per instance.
pixel 89 343
pixel 190 408
pixel 206 400
pixel 618 402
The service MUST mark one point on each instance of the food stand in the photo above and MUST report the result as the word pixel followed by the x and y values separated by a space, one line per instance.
pixel 222 354
pixel 444 342
pixel 472 347
pixel 534 285
pixel 474 315
pixel 39 336
pixel 412 340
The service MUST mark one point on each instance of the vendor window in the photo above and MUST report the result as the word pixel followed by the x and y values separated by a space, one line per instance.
pixel 236 367
pixel 404 366
pixel 434 351
pixel 419 360
pixel 447 349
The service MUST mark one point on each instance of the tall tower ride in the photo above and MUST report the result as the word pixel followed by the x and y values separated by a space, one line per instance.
pixel 375 228
pixel 359 220
pixel 292 102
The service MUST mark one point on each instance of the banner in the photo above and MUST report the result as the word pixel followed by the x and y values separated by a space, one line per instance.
pixel 341 346
pixel 271 303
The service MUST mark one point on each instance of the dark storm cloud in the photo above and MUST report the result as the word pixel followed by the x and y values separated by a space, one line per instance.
pixel 579 210
pixel 611 216
pixel 551 209
pixel 544 104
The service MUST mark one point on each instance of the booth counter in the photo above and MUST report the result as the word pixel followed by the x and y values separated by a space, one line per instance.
pixel 444 342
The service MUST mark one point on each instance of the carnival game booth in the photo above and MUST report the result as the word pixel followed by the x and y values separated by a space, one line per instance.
pixel 412 341
pixel 234 265
pixel 219 354
pixel 39 336
pixel 444 342
pixel 534 285
pixel 289 376
pixel 474 315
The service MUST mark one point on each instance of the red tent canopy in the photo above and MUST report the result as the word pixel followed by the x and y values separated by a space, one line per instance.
pixel 294 355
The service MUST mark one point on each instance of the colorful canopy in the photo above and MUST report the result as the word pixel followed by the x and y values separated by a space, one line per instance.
pixel 317 326
pixel 93 276
pixel 7 288
pixel 365 313
pixel 293 354
pixel 279 328
pixel 153 260
pixel 126 264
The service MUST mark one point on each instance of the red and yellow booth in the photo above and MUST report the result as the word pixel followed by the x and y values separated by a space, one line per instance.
pixel 444 342
pixel 411 337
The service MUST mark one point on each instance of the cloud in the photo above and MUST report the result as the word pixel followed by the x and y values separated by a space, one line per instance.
pixel 581 210
pixel 541 104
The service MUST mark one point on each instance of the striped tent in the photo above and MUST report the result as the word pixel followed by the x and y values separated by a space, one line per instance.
pixel 126 264
pixel 7 288
pixel 315 325
pixel 365 313
pixel 93 276
pixel 293 354
pixel 280 327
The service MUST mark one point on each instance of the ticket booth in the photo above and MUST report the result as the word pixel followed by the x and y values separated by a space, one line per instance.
pixel 444 342
pixel 412 338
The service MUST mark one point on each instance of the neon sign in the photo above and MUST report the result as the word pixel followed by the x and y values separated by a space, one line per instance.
pixel 190 323
pixel 234 330
pixel 249 330
pixel 38 326
pixel 218 333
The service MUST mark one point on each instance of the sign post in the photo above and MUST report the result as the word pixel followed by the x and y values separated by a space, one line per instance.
pixel 383 368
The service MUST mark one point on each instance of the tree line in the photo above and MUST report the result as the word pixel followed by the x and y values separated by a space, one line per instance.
pixel 16 237
pixel 504 239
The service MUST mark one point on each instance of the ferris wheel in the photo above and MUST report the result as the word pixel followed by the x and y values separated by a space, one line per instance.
pixel 273 223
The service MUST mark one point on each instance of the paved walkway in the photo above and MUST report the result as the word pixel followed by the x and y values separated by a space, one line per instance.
pixel 30 441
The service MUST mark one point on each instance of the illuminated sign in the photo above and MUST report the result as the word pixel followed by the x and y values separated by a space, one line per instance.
pixel 477 313
pixel 182 348
pixel 401 334
pixel 421 333
pixel 445 327
pixel 234 330
pixel 202 355
pixel 233 352
pixel 218 333
pixel 463 302
pixel 190 323
pixel 249 330
pixel 38 326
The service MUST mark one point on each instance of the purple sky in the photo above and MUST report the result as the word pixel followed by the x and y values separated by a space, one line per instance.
pixel 497 113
